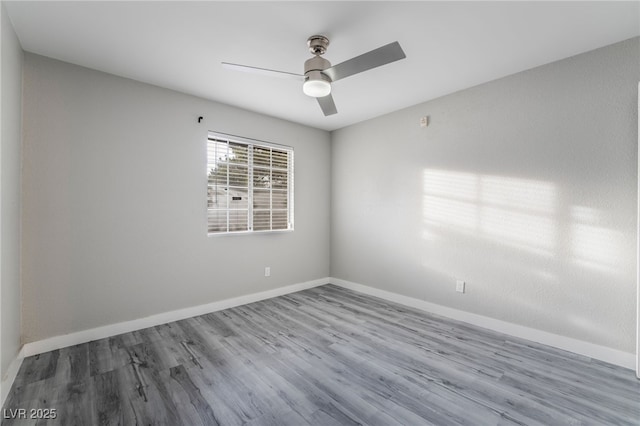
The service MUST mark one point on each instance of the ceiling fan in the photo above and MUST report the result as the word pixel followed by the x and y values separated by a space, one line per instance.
pixel 319 74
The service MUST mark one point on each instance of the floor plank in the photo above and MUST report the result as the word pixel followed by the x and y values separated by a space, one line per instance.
pixel 324 356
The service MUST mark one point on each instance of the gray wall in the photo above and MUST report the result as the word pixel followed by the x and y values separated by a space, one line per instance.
pixel 524 187
pixel 115 202
pixel 10 156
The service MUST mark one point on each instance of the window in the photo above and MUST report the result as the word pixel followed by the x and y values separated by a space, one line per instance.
pixel 250 185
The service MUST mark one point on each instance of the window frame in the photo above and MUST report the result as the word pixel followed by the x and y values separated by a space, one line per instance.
pixel 251 166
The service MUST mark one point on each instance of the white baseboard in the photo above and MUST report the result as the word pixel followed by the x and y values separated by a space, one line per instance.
pixel 591 350
pixel 84 336
pixel 10 377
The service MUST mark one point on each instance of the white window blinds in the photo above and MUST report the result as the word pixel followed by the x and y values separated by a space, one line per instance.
pixel 250 185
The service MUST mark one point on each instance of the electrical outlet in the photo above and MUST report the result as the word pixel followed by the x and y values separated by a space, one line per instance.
pixel 460 286
pixel 267 271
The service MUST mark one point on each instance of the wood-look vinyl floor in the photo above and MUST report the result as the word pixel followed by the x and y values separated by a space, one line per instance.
pixel 324 356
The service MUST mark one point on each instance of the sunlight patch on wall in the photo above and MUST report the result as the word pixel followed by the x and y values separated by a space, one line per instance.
pixel 520 194
pixel 515 212
pixel 592 245
pixel 461 186
pixel 460 214
pixel 526 231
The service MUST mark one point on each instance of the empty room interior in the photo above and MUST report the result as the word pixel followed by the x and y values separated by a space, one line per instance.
pixel 319 213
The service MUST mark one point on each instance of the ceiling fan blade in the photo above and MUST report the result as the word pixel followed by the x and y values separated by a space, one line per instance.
pixel 263 71
pixel 383 55
pixel 327 105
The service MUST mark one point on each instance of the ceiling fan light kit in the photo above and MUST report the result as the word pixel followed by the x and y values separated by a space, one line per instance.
pixel 317 85
pixel 319 74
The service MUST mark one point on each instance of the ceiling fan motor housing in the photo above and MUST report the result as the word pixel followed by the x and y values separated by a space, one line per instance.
pixel 317 63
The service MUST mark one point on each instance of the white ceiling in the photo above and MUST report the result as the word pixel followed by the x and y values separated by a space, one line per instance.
pixel 449 46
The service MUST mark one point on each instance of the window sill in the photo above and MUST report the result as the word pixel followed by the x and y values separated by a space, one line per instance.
pixel 225 234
